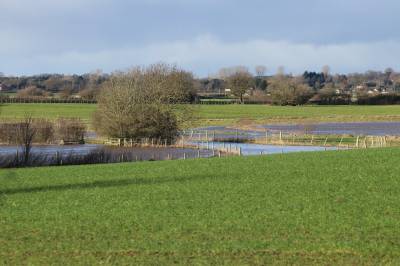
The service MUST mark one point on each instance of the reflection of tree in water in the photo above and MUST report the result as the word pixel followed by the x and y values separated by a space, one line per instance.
pixel 309 128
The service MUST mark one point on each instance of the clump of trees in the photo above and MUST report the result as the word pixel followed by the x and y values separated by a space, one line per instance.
pixel 239 82
pixel 32 91
pixel 143 102
pixel 285 91
pixel 375 87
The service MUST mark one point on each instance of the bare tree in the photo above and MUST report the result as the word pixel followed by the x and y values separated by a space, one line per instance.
pixel 280 72
pixel 260 70
pixel 326 70
pixel 32 91
pixel 239 83
pixel 144 102
pixel 25 134
pixel 289 91
pixel 226 72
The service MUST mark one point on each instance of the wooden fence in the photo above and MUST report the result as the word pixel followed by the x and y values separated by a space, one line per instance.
pixel 293 139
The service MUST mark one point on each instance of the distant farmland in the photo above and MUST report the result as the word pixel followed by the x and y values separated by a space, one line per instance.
pixel 227 114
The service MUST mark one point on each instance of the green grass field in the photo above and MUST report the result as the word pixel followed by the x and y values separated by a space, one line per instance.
pixel 330 208
pixel 50 111
pixel 227 114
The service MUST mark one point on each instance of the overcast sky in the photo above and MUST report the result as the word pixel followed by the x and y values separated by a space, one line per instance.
pixel 78 36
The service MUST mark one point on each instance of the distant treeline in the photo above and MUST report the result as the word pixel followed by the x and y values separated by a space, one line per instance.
pixel 371 87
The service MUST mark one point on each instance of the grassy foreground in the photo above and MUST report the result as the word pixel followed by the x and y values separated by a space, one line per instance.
pixel 226 114
pixel 306 208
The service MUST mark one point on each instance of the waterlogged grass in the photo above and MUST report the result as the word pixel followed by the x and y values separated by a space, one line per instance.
pixel 227 114
pixel 308 208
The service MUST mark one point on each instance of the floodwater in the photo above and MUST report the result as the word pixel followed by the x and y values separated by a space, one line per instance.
pixel 356 129
pixel 257 149
pixel 226 133
pixel 137 153
pixel 162 153
pixel 223 133
pixel 53 149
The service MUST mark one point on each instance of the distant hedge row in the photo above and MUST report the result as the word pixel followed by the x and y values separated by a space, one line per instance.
pixel 6 99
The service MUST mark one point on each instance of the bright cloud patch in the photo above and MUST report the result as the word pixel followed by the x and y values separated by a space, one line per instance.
pixel 206 54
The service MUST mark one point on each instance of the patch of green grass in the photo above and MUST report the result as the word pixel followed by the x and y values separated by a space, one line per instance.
pixel 338 207
pixel 232 114
pixel 227 114
pixel 46 110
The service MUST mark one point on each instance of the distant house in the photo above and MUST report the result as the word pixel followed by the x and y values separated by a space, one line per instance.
pixel 3 88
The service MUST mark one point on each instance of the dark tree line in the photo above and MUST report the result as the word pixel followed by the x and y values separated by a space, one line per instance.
pixel 323 86
pixel 47 85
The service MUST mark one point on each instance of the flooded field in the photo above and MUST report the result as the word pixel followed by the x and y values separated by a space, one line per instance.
pixel 355 129
pixel 364 128
pixel 52 149
pixel 233 141
pixel 136 153
pixel 257 149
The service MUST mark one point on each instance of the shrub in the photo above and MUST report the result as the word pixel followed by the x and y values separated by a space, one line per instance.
pixel 31 91
pixel 289 92
pixel 141 103
pixel 70 130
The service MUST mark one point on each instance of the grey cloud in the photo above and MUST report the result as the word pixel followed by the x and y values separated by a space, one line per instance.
pixel 206 54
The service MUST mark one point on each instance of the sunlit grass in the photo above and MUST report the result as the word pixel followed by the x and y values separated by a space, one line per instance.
pixel 226 114
pixel 338 207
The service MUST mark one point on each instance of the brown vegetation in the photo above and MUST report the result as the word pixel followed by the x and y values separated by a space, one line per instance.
pixel 140 103
pixel 32 91
pixel 70 130
pixel 239 82
pixel 43 131
pixel 286 91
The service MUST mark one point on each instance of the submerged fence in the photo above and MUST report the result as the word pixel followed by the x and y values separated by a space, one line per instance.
pixel 291 139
